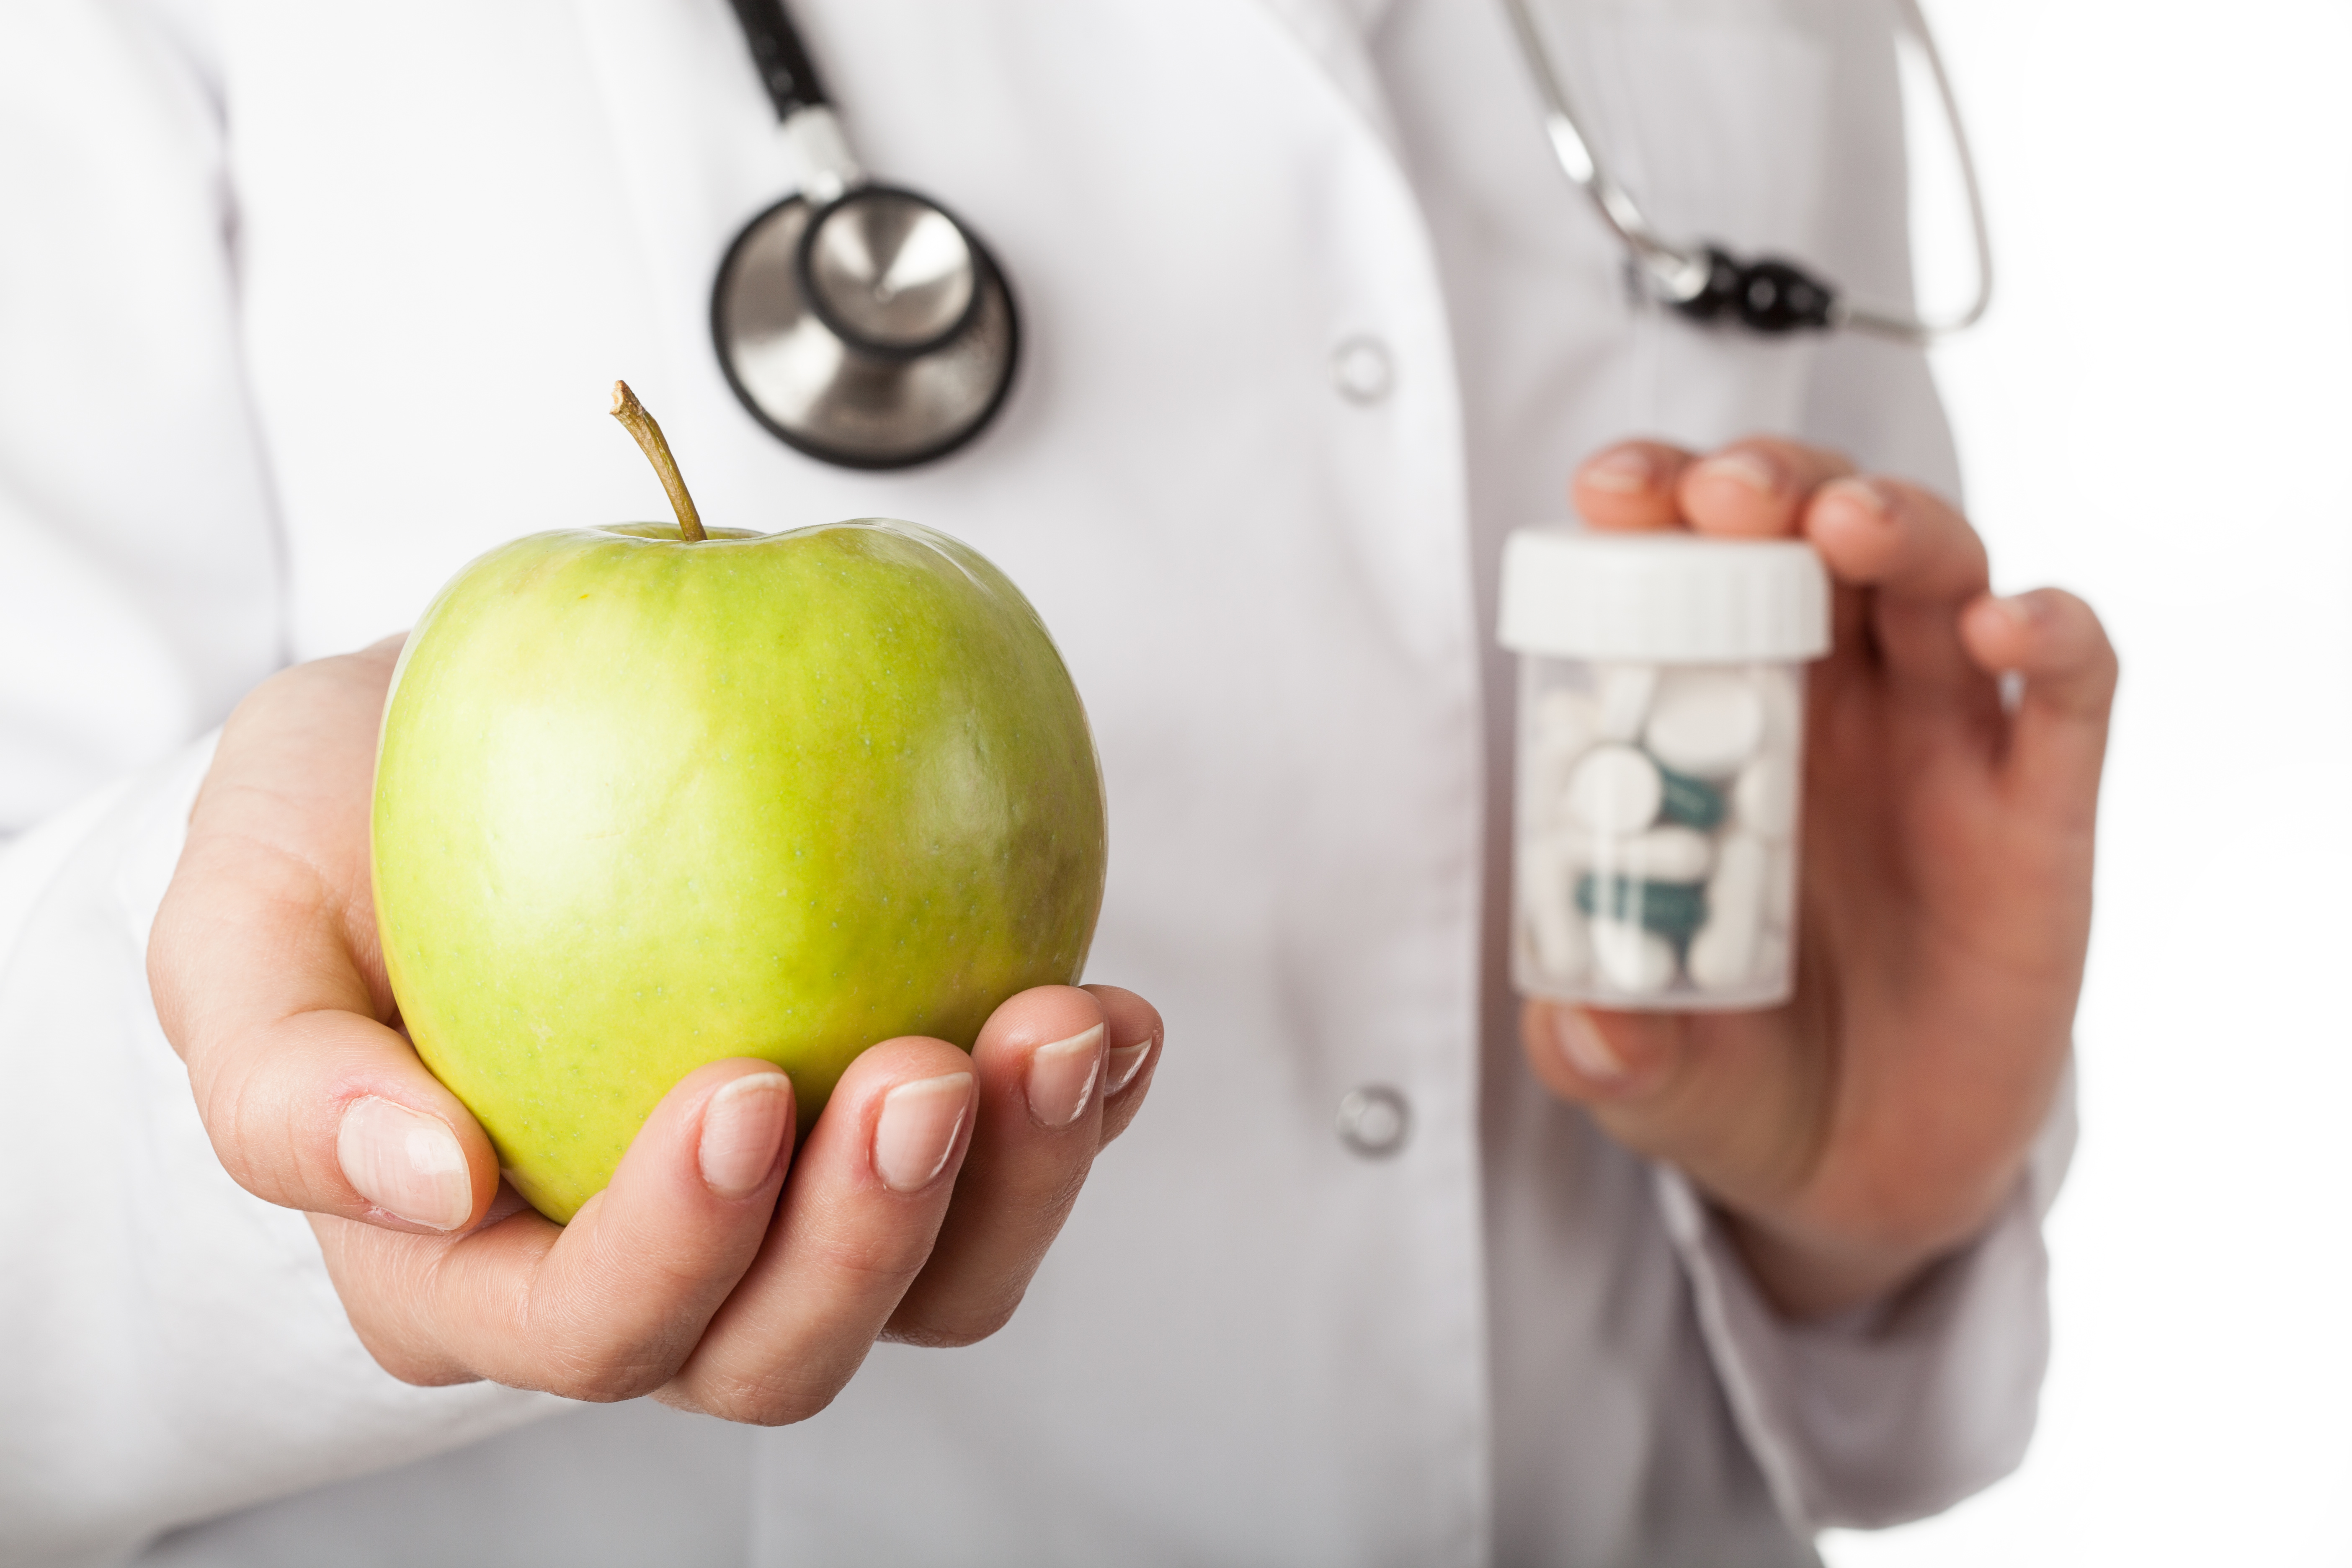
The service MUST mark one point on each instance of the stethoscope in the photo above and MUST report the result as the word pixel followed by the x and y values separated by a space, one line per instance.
pixel 865 325
pixel 1706 282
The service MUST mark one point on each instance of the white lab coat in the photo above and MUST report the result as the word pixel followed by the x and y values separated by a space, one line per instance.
pixel 301 305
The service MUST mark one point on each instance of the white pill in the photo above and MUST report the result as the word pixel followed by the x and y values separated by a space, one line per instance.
pixel 1705 722
pixel 1764 797
pixel 1781 888
pixel 1563 727
pixel 1625 693
pixel 1614 790
pixel 1632 959
pixel 1670 854
pixel 1555 931
pixel 1566 723
pixel 1782 688
pixel 1543 781
pixel 1719 958
pixel 1723 951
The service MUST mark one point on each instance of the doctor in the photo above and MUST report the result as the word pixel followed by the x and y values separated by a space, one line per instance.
pixel 305 306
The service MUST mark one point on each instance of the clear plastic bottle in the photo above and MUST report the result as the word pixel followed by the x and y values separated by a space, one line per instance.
pixel 1661 747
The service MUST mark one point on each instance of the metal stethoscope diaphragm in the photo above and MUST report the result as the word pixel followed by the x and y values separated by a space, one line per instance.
pixel 860 322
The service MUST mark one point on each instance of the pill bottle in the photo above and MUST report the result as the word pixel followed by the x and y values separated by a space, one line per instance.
pixel 1661 763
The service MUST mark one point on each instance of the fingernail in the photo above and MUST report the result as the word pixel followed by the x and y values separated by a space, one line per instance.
pixel 1062 1075
pixel 1126 1061
pixel 1586 1051
pixel 1752 469
pixel 743 1128
pixel 1862 493
pixel 2023 610
pixel 1627 471
pixel 405 1163
pixel 917 1130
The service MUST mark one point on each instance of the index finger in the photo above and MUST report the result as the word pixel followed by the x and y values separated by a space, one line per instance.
pixel 1757 487
pixel 1631 488
pixel 1922 562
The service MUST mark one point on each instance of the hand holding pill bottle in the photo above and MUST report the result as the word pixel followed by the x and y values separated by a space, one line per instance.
pixel 1661 747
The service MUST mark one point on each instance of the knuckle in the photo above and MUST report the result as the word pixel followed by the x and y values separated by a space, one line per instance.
pixel 407 1364
pixel 868 1265
pixel 1810 459
pixel 595 1363
pixel 595 1380
pixel 228 1103
pixel 953 1331
pixel 779 1399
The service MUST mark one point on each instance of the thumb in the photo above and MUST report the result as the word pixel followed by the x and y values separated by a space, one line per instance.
pixel 333 1113
pixel 262 963
pixel 1713 1094
pixel 310 1101
pixel 1595 1059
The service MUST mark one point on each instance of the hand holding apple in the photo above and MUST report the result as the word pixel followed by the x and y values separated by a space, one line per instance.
pixel 729 1265
pixel 689 1275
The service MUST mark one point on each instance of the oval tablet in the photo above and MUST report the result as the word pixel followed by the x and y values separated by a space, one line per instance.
pixel 1632 959
pixel 1781 888
pixel 1671 909
pixel 1625 693
pixel 1705 722
pixel 1723 953
pixel 1669 854
pixel 1764 797
pixel 1614 790
pixel 1555 931
pixel 1691 802
pixel 1566 723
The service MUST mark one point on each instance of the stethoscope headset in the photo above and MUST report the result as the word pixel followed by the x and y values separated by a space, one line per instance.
pixel 865 325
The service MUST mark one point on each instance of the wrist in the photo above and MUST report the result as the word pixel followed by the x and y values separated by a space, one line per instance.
pixel 1807 1277
pixel 1809 1269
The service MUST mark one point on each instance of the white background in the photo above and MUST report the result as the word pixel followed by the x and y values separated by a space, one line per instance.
pixel 2160 415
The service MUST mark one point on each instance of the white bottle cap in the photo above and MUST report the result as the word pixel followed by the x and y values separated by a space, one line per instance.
pixel 1663 598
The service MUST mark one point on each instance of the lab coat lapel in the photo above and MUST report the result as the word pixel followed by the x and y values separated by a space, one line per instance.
pixel 1332 33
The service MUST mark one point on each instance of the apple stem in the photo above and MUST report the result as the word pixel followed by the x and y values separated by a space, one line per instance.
pixel 640 424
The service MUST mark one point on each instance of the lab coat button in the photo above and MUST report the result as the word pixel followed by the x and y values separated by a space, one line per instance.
pixel 1374 1121
pixel 1361 370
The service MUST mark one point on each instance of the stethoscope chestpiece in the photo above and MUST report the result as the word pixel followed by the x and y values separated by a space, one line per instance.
pixel 889 272
pixel 875 331
pixel 861 324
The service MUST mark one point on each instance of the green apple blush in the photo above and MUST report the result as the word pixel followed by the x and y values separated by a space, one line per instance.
pixel 648 797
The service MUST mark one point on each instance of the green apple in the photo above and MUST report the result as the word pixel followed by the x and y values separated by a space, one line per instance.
pixel 644 801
